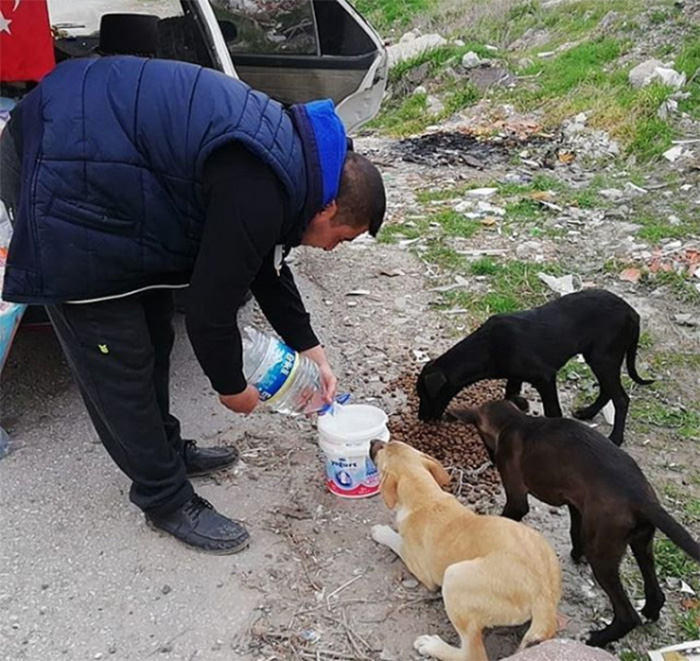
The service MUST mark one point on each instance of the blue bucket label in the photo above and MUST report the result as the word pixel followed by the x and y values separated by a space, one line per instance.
pixel 271 382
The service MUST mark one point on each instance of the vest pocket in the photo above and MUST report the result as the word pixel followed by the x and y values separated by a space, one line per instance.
pixel 85 214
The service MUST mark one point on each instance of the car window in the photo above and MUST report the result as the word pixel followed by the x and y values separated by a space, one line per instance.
pixel 76 18
pixel 268 26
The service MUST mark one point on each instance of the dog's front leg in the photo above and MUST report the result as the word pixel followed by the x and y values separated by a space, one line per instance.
pixel 386 536
pixel 547 388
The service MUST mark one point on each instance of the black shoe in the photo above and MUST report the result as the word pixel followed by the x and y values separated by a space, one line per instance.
pixel 202 461
pixel 199 525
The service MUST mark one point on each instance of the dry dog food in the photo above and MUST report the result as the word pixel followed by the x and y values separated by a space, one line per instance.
pixel 455 445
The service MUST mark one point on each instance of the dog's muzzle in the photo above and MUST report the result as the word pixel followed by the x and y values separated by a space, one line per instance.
pixel 374 447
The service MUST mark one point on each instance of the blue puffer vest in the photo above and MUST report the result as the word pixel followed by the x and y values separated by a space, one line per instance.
pixel 112 198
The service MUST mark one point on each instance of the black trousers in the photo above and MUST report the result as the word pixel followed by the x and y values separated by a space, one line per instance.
pixel 119 352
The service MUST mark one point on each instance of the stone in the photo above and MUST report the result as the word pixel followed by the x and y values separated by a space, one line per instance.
pixel 558 649
pixel 470 60
pixel 409 47
pixel 654 70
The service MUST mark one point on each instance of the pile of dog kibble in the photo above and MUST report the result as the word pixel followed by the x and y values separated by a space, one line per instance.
pixel 455 445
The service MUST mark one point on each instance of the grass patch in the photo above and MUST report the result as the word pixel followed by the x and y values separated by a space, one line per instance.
pixel 655 228
pixel 688 62
pixel 410 116
pixel 677 283
pixel 455 224
pixel 394 232
pixel 673 562
pixel 387 14
pixel 653 413
pixel 513 285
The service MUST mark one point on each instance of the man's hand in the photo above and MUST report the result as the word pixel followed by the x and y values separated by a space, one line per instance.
pixel 328 379
pixel 242 402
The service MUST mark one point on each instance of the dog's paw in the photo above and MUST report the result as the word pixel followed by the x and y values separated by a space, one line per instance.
pixel 584 413
pixel 427 645
pixel 383 534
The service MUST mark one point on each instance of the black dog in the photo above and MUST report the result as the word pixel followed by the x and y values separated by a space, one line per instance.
pixel 533 346
pixel 564 462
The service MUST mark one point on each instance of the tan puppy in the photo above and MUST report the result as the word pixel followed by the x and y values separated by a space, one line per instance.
pixel 493 571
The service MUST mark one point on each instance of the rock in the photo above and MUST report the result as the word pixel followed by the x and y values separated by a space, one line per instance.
pixel 420 90
pixel 470 60
pixel 485 77
pixel 655 70
pixel 411 45
pixel 435 106
pixel 641 75
pixel 607 20
pixel 675 153
pixel 528 250
pixel 561 650
pixel 611 193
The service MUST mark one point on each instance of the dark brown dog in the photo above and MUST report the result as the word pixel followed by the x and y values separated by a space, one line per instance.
pixel 564 462
pixel 533 345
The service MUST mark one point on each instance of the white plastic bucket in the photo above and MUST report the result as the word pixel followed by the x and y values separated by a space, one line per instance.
pixel 344 438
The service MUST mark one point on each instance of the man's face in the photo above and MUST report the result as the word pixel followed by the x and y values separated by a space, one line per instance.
pixel 326 233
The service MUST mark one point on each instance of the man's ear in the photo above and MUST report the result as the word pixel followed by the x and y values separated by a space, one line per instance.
pixel 442 477
pixel 389 487
pixel 329 212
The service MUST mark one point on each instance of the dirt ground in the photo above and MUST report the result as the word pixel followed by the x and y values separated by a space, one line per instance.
pixel 83 578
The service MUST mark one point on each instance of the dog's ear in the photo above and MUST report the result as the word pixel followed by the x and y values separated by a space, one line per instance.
pixel 433 380
pixel 442 477
pixel 389 487
pixel 468 415
pixel 520 402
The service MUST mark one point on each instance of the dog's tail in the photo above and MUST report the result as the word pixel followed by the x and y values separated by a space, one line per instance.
pixel 662 520
pixel 632 357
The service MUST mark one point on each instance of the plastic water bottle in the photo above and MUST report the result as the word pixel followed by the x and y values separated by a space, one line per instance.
pixel 287 381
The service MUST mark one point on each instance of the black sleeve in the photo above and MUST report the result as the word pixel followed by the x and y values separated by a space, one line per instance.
pixel 281 303
pixel 243 222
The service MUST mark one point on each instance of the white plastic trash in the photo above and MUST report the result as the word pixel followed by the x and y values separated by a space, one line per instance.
pixel 344 438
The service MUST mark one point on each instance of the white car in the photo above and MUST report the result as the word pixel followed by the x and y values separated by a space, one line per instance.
pixel 293 50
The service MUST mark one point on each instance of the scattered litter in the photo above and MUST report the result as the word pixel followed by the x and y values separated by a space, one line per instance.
pixel 689 651
pixel 391 273
pixel 633 188
pixel 686 319
pixel 686 588
pixel 561 285
pixel 482 192
pixel 631 275
pixel 421 356
pixel 675 153
pixel 459 282
pixel 358 292
pixel 482 252
pixel 609 413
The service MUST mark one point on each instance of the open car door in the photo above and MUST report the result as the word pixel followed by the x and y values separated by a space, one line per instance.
pixel 299 50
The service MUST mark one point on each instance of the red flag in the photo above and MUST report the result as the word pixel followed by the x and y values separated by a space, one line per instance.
pixel 26 46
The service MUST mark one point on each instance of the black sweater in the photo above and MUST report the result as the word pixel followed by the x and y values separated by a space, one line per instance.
pixel 245 212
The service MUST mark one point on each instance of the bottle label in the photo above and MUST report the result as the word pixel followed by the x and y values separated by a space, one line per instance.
pixel 275 377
